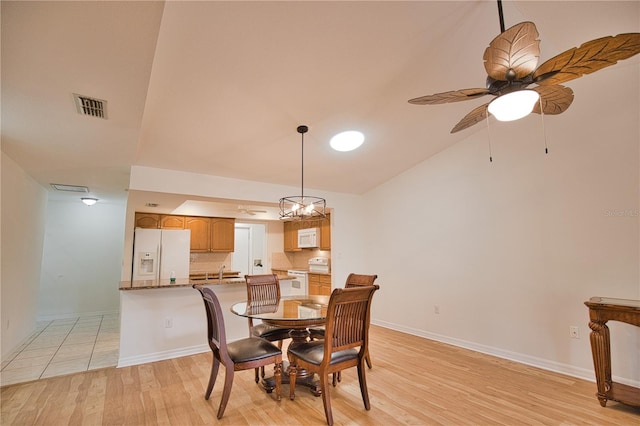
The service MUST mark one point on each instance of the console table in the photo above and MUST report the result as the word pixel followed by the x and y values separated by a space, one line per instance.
pixel 601 310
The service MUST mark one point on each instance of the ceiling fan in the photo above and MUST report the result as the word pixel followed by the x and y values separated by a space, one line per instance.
pixel 511 63
pixel 246 210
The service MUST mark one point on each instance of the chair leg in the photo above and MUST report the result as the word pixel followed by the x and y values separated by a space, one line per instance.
pixel 226 392
pixel 363 385
pixel 293 372
pixel 258 374
pixel 326 400
pixel 277 372
pixel 337 377
pixel 212 377
pixel 262 368
pixel 368 359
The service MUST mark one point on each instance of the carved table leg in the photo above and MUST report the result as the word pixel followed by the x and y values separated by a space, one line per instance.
pixel 601 351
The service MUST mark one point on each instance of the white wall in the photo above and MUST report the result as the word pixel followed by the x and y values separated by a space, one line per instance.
pixel 144 336
pixel 509 251
pixel 82 259
pixel 24 205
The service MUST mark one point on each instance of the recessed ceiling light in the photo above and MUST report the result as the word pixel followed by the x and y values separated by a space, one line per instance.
pixel 347 141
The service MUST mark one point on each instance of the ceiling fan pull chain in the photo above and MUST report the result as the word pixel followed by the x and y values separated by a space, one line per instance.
pixel 489 138
pixel 544 131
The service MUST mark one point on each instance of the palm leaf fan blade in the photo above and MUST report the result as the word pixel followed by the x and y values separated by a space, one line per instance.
pixel 475 116
pixel 514 51
pixel 588 58
pixel 554 99
pixel 451 96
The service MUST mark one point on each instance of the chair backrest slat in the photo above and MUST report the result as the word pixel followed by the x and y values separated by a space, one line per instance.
pixel 348 317
pixel 262 289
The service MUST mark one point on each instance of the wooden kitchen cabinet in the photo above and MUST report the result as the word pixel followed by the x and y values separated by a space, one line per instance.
pixel 171 222
pixel 222 234
pixel 200 233
pixel 319 284
pixel 325 233
pixel 147 220
pixel 159 221
pixel 291 236
pixel 291 233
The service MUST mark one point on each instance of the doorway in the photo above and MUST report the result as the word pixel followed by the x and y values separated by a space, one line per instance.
pixel 250 248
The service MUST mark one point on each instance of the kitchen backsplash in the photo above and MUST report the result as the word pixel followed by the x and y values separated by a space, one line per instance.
pixel 209 262
pixel 296 260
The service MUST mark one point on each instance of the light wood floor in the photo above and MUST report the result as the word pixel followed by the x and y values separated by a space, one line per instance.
pixel 414 381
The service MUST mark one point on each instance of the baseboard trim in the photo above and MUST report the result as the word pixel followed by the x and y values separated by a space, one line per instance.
pixel 545 364
pixel 161 356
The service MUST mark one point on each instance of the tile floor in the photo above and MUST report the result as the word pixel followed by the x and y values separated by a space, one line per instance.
pixel 65 346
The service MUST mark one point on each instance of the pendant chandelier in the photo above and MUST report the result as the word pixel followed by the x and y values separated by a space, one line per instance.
pixel 302 207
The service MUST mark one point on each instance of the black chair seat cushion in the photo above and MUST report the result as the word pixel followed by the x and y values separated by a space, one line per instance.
pixel 313 352
pixel 317 332
pixel 270 332
pixel 250 349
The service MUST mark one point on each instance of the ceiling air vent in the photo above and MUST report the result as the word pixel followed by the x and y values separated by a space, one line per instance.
pixel 69 188
pixel 90 106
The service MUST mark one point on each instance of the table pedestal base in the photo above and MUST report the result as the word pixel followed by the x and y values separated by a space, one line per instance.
pixel 303 378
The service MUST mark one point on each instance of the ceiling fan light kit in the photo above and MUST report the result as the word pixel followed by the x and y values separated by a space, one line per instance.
pixel 511 63
pixel 302 207
pixel 514 105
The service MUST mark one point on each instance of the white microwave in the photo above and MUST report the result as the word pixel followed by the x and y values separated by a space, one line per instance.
pixel 308 238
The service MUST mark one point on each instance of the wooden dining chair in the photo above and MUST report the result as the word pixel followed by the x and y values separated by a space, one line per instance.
pixel 345 345
pixel 263 290
pixel 353 280
pixel 244 354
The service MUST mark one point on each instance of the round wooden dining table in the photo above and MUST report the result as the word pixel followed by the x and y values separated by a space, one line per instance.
pixel 297 313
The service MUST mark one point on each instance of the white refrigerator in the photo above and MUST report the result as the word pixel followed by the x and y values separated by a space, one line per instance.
pixel 161 254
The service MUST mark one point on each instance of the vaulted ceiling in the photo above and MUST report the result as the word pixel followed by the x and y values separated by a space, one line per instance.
pixel 219 87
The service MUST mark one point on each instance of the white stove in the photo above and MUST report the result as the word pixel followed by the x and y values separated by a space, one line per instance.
pixel 297 286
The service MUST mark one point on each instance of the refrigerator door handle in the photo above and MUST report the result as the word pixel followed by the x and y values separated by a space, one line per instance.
pixel 159 269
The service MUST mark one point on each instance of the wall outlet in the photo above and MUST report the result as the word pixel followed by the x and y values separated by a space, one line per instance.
pixel 168 322
pixel 436 309
pixel 573 332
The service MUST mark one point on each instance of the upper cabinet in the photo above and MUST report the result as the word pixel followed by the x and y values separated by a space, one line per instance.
pixel 200 233
pixel 159 221
pixel 325 233
pixel 171 222
pixel 291 233
pixel 208 234
pixel 222 234
pixel 291 236
pixel 147 220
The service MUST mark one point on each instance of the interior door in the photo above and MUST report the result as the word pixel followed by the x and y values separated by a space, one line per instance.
pixel 242 254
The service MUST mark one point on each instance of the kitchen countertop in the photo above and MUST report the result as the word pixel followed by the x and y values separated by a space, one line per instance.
pixel 279 272
pixel 180 282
